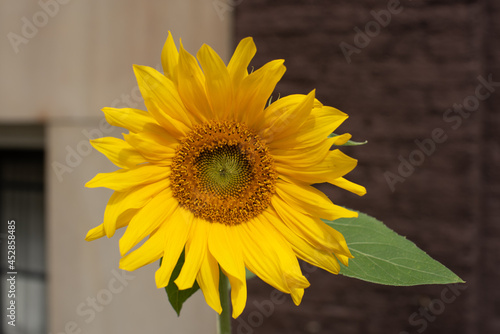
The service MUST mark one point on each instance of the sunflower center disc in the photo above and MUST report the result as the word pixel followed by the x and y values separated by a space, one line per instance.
pixel 223 173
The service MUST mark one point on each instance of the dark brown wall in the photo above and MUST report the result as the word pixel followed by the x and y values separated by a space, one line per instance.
pixel 397 89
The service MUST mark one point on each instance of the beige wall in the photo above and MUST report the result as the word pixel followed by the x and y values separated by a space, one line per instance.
pixel 60 74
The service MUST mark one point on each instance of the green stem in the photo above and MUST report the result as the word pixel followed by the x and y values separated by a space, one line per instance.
pixel 224 320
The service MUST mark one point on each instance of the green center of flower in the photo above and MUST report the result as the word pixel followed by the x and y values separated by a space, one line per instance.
pixel 223 173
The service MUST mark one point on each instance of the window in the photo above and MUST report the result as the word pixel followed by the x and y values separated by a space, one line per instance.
pixel 22 201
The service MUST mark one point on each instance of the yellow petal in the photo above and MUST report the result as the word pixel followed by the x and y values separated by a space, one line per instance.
pixel 128 118
pixel 263 262
pixel 303 249
pixel 343 259
pixel 154 143
pixel 192 87
pixel 122 221
pixel 255 91
pixel 95 233
pixel 225 246
pixel 149 252
pixel 238 294
pixel 118 151
pixel 281 108
pixel 177 231
pixel 196 248
pixel 270 257
pixel 341 139
pixel 297 295
pixel 162 100
pixel 350 186
pixel 320 123
pixel 336 164
pixel 133 198
pixel 302 158
pixel 286 115
pixel 238 65
pixel 152 215
pixel 208 280
pixel 170 59
pixel 311 201
pixel 124 179
pixel 218 83
pixel 313 230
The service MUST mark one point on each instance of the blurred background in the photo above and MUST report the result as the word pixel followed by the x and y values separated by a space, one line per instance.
pixel 420 81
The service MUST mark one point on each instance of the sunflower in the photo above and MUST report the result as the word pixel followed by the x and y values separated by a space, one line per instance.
pixel 215 170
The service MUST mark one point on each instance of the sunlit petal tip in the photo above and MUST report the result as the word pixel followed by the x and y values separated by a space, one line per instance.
pixel 141 73
pixel 238 293
pixel 350 186
pixel 181 47
pixel 244 52
pixel 295 281
pixel 297 295
pixel 125 265
pixel 239 304
pixel 109 233
pixel 205 48
pixel 279 65
pixel 211 61
pixel 238 65
pixel 95 141
pixel 163 274
pixel 343 259
pixel 185 57
pixel 169 48
pixel 170 58
pixel 208 280
pixel 124 247
pixel 95 233
pixel 182 285
pixel 160 280
pixel 344 252
pixel 341 139
pixel 351 214
pixel 120 265
pixel 138 68
pixel 309 99
pixel 247 40
pixel 93 183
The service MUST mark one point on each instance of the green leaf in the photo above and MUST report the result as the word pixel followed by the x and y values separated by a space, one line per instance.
pixel 384 257
pixel 349 142
pixel 177 297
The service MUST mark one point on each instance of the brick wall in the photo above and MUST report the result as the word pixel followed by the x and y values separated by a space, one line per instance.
pixel 429 57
